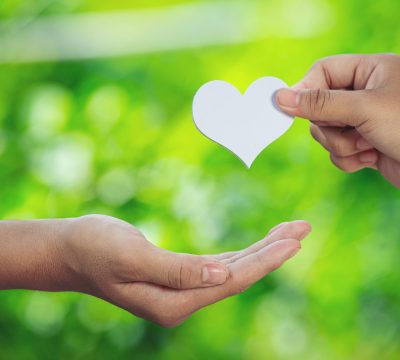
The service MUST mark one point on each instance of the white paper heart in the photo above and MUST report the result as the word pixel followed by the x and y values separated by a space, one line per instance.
pixel 244 124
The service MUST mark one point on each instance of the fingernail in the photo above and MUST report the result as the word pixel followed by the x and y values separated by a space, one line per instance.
pixel 368 157
pixel 214 274
pixel 288 97
pixel 363 144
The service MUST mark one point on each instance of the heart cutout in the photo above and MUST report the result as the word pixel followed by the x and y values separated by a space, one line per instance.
pixel 244 124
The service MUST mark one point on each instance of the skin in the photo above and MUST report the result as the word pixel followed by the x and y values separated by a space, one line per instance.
pixel 112 260
pixel 353 103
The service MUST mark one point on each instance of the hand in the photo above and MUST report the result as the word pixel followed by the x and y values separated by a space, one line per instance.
pixel 112 260
pixel 353 102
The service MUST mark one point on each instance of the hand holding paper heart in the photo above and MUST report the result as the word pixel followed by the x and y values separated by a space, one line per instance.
pixel 359 127
pixel 244 124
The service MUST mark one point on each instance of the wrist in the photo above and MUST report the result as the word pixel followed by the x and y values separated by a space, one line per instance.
pixel 61 274
pixel 31 255
pixel 73 254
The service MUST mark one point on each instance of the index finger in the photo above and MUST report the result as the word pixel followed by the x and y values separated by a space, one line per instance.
pixel 340 72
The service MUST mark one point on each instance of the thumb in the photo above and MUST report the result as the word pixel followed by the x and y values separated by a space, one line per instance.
pixel 245 272
pixel 183 271
pixel 343 106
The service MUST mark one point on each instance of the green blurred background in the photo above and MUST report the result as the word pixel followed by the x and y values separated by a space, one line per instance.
pixel 102 124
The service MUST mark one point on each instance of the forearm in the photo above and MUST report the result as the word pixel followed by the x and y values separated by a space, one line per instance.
pixel 31 255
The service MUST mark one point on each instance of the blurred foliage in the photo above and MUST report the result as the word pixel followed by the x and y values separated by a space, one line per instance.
pixel 115 136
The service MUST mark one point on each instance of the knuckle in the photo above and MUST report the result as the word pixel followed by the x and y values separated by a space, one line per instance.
pixel 342 164
pixel 182 274
pixel 315 100
pixel 348 169
pixel 276 264
pixel 238 286
pixel 174 275
pixel 318 65
pixel 326 59
pixel 319 136
pixel 192 271
pixel 338 148
pixel 314 132
pixel 259 262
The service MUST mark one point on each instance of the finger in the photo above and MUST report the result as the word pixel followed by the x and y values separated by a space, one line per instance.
pixel 390 169
pixel 341 142
pixel 182 271
pixel 290 230
pixel 345 107
pixel 253 267
pixel 315 97
pixel 225 255
pixel 319 136
pixel 230 254
pixel 244 273
pixel 340 72
pixel 295 229
pixel 356 162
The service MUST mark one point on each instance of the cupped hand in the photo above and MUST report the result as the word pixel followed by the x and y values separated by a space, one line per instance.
pixel 112 260
pixel 353 102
